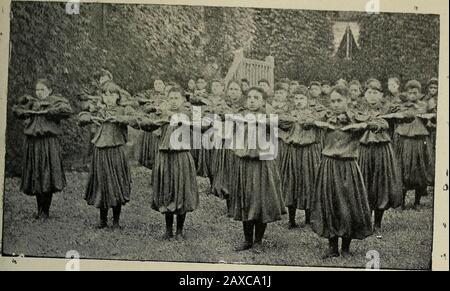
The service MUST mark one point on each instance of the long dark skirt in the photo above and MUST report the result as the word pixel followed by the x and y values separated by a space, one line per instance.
pixel 282 148
pixel 415 161
pixel 42 168
pixel 340 205
pixel 109 183
pixel 174 183
pixel 299 174
pixel 149 149
pixel 381 175
pixel 257 194
pixel 204 163
pixel 222 162
pixel 195 153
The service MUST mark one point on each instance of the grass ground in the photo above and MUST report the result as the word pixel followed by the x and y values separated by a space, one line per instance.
pixel 211 236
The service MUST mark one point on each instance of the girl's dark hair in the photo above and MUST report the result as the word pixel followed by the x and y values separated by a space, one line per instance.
pixel 279 87
pixel 395 79
pixel 315 83
pixel 104 72
pixel 355 82
pixel 341 90
pixel 301 90
pixel 176 89
pixel 433 81
pixel 111 87
pixel 173 84
pixel 231 82
pixel 413 84
pixel 258 89
pixel 45 82
pixel 373 83
pixel 217 81
pixel 245 80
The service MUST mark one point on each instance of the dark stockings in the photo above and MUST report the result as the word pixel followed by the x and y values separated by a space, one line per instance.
pixel 169 225
pixel 346 245
pixel 116 215
pixel 103 218
pixel 248 231
pixel 420 191
pixel 260 229
pixel 378 218
pixel 229 207
pixel 292 211
pixel 40 204
pixel 307 216
pixel 180 224
pixel 333 248
pixel 333 244
pixel 254 227
pixel 44 201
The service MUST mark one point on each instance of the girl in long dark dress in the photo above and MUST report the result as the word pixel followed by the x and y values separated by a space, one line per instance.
pixel 377 160
pixel 224 159
pixel 257 199
pixel 109 183
pixel 413 146
pixel 280 105
pixel 175 190
pixel 150 100
pixel 42 168
pixel 302 157
pixel 340 206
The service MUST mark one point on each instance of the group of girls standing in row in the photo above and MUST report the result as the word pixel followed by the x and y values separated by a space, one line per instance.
pixel 341 154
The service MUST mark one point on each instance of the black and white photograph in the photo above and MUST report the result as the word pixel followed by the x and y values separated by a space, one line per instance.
pixel 225 134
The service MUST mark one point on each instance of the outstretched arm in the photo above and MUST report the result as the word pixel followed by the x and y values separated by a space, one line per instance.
pixel 85 118
pixel 60 110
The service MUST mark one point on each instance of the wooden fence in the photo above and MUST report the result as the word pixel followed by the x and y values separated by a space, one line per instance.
pixel 253 70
